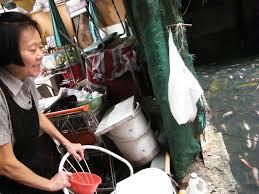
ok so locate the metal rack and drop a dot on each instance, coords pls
(78, 125)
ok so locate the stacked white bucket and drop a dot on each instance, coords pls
(132, 135)
(135, 139)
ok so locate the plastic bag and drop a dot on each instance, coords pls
(183, 89)
(80, 95)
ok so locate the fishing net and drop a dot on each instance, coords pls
(148, 20)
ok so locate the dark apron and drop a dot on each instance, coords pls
(37, 153)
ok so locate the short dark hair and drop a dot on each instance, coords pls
(11, 26)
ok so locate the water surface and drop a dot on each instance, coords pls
(232, 92)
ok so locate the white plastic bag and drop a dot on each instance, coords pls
(183, 89)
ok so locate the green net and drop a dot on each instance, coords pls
(148, 20)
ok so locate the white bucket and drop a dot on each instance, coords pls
(135, 139)
(149, 180)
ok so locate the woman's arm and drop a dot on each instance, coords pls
(17, 171)
(75, 149)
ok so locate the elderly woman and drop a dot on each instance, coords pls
(23, 169)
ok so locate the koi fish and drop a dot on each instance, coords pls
(246, 126)
(245, 162)
(254, 171)
(227, 114)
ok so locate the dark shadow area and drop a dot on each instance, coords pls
(222, 29)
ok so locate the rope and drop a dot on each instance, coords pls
(187, 7)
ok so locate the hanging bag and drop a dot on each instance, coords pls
(183, 89)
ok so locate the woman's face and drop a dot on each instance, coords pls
(31, 53)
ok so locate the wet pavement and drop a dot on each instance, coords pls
(232, 92)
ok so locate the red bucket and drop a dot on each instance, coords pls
(84, 182)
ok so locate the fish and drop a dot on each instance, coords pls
(227, 114)
(223, 126)
(248, 141)
(246, 126)
(245, 162)
(254, 170)
(248, 84)
(255, 141)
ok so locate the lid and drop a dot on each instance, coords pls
(116, 115)
(194, 175)
(182, 191)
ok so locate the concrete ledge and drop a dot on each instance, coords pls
(214, 168)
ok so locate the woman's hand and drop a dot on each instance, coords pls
(75, 149)
(60, 181)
